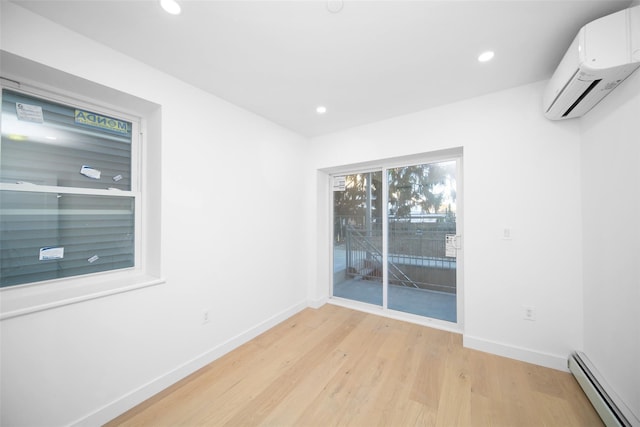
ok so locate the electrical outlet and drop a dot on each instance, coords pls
(529, 313)
(506, 233)
(205, 316)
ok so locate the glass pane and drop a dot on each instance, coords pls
(47, 235)
(46, 143)
(357, 232)
(422, 212)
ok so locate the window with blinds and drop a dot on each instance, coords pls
(68, 191)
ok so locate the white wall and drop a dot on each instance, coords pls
(520, 171)
(231, 226)
(611, 233)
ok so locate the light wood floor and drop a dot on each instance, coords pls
(335, 366)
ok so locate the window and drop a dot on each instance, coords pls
(69, 194)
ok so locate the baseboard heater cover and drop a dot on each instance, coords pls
(604, 401)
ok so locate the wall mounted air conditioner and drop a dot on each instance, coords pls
(603, 54)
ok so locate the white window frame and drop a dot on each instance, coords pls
(28, 298)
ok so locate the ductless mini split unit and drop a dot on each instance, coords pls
(603, 54)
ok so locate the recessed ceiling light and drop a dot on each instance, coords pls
(486, 56)
(171, 6)
(321, 109)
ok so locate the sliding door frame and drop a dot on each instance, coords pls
(384, 166)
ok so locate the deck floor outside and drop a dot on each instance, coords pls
(422, 302)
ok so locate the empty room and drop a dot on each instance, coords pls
(320, 212)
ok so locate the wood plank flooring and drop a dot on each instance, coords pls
(339, 367)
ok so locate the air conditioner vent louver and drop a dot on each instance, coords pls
(581, 97)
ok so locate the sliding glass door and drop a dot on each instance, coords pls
(421, 215)
(396, 238)
(357, 237)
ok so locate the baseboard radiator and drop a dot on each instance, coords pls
(606, 402)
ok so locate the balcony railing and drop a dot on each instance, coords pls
(416, 255)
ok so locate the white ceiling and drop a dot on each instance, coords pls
(371, 61)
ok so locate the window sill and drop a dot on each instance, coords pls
(22, 300)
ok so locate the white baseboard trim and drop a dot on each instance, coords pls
(317, 303)
(518, 353)
(137, 396)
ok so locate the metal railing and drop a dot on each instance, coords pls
(364, 258)
(412, 254)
